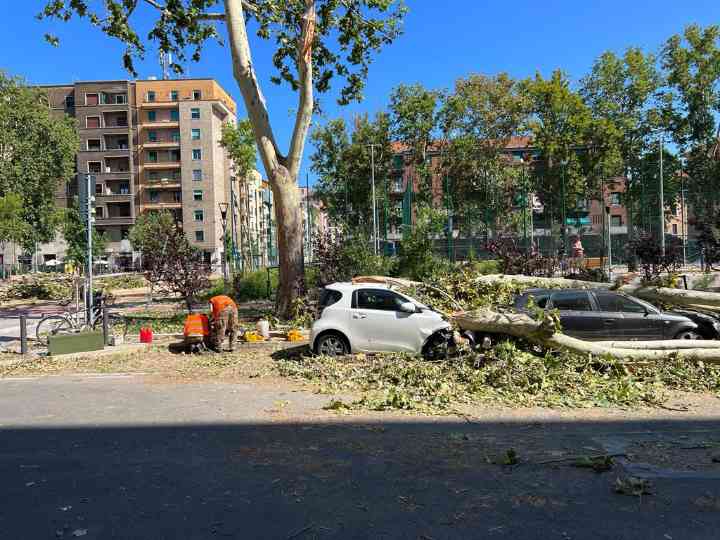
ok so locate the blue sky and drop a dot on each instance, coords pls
(442, 41)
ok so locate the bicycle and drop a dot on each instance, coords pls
(75, 321)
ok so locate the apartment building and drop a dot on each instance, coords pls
(152, 145)
(254, 230)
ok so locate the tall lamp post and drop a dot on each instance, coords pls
(375, 220)
(662, 200)
(223, 216)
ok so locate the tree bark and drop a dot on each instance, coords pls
(522, 326)
(281, 171)
(289, 243)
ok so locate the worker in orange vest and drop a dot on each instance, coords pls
(224, 321)
(196, 332)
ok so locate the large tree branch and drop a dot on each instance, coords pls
(305, 98)
(250, 87)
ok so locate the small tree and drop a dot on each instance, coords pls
(74, 230)
(13, 227)
(168, 259)
(653, 261)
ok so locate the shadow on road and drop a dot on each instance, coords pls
(401, 479)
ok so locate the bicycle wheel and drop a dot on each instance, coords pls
(52, 325)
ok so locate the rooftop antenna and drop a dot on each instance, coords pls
(165, 63)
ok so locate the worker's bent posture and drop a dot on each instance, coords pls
(196, 332)
(224, 320)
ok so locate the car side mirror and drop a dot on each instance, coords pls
(408, 307)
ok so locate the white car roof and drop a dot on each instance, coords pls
(348, 286)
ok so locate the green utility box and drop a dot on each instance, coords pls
(75, 343)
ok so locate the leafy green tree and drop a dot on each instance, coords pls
(620, 92)
(74, 230)
(315, 41)
(691, 61)
(478, 120)
(343, 163)
(37, 155)
(239, 141)
(13, 227)
(559, 122)
(414, 123)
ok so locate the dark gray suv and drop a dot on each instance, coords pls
(605, 315)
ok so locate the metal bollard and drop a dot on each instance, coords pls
(684, 277)
(23, 335)
(105, 320)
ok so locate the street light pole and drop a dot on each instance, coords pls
(372, 173)
(223, 217)
(662, 201)
(683, 217)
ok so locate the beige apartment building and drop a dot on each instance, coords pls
(152, 145)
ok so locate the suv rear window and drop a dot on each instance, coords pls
(328, 297)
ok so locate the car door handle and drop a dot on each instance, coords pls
(359, 316)
(609, 321)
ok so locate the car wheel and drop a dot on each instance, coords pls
(688, 334)
(332, 345)
(437, 347)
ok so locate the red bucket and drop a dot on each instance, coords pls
(146, 335)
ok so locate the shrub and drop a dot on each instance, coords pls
(417, 259)
(515, 259)
(648, 250)
(253, 286)
(340, 257)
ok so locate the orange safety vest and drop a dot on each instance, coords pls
(219, 303)
(196, 324)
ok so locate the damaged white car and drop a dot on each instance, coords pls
(372, 318)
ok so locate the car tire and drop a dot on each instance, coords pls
(688, 334)
(437, 347)
(332, 344)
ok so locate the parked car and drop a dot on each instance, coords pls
(600, 315)
(372, 318)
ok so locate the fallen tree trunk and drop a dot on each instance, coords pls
(665, 345)
(521, 325)
(551, 283)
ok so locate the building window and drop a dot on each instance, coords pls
(120, 99)
(124, 188)
(197, 194)
(92, 122)
(125, 234)
(151, 96)
(69, 102)
(196, 154)
(177, 196)
(195, 114)
(174, 115)
(615, 199)
(152, 136)
(99, 212)
(674, 229)
(176, 136)
(152, 116)
(195, 134)
(98, 189)
(199, 236)
(174, 155)
(197, 95)
(616, 221)
(197, 175)
(94, 167)
(93, 145)
(173, 95)
(154, 196)
(152, 176)
(91, 99)
(199, 215)
(152, 156)
(597, 220)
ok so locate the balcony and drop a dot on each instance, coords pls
(156, 165)
(159, 124)
(159, 104)
(162, 205)
(115, 220)
(165, 183)
(161, 144)
(618, 229)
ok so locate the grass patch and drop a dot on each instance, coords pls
(511, 377)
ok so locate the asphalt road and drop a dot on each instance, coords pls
(120, 457)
